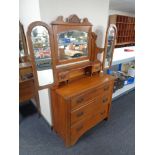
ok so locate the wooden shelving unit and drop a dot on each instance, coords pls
(125, 29)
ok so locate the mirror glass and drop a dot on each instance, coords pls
(23, 52)
(110, 47)
(72, 44)
(42, 54)
(21, 46)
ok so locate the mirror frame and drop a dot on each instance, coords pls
(106, 45)
(30, 45)
(73, 22)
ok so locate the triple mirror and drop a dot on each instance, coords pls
(109, 46)
(39, 38)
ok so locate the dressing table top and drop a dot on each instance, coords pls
(83, 84)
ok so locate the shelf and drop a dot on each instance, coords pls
(125, 27)
(123, 57)
(123, 90)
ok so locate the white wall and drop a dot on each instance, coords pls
(29, 11)
(95, 10)
(112, 12)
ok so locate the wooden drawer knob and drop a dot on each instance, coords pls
(102, 113)
(105, 99)
(106, 88)
(79, 128)
(79, 100)
(79, 114)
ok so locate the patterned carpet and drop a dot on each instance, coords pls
(113, 137)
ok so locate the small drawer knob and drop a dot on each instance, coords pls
(79, 114)
(80, 100)
(102, 113)
(105, 99)
(106, 88)
(79, 128)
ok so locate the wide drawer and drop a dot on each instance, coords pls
(81, 127)
(80, 100)
(90, 108)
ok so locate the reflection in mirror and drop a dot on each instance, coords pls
(72, 44)
(110, 46)
(42, 55)
(21, 47)
(23, 52)
(41, 47)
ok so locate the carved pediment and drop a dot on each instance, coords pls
(72, 19)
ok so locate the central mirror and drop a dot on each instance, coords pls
(72, 40)
(72, 44)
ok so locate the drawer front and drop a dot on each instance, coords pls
(89, 109)
(81, 100)
(81, 127)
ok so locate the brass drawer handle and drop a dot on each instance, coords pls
(106, 88)
(79, 128)
(80, 100)
(105, 99)
(79, 114)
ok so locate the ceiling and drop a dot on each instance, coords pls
(123, 5)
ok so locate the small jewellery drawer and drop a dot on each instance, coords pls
(63, 76)
(81, 100)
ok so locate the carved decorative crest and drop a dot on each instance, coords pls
(72, 19)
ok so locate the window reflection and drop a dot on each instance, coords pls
(72, 44)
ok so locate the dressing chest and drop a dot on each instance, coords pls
(82, 93)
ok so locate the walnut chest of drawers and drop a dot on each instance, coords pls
(80, 105)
